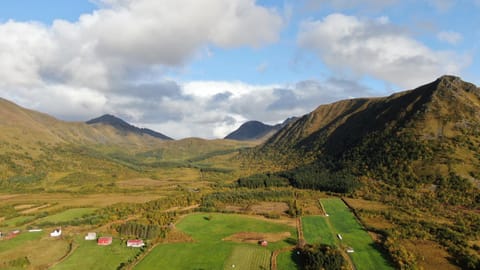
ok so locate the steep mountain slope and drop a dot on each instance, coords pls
(256, 130)
(123, 126)
(433, 129)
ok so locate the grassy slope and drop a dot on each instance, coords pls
(209, 251)
(343, 222)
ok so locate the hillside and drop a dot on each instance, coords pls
(125, 127)
(26, 127)
(409, 161)
(433, 129)
(256, 130)
(36, 149)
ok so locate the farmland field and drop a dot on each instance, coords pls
(88, 255)
(247, 257)
(344, 223)
(208, 249)
(25, 248)
(16, 221)
(317, 231)
(286, 261)
(67, 215)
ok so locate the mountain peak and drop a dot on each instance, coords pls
(111, 120)
(454, 83)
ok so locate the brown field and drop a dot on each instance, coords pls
(430, 255)
(145, 182)
(24, 206)
(254, 237)
(311, 206)
(366, 205)
(176, 236)
(377, 222)
(60, 200)
(269, 207)
(34, 209)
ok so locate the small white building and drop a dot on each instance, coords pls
(350, 250)
(56, 233)
(91, 236)
(339, 237)
(35, 230)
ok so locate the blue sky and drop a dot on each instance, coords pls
(202, 68)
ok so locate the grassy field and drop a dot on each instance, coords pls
(343, 222)
(246, 257)
(18, 241)
(316, 230)
(208, 249)
(286, 261)
(16, 221)
(88, 255)
(39, 250)
(67, 215)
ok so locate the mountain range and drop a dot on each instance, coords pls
(431, 130)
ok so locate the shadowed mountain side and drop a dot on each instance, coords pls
(433, 129)
(256, 130)
(123, 126)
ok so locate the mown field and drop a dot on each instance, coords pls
(209, 250)
(316, 230)
(343, 222)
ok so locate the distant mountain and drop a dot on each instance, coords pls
(123, 126)
(421, 134)
(255, 130)
(28, 128)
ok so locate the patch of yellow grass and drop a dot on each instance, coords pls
(430, 254)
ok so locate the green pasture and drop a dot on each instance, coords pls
(67, 215)
(88, 255)
(246, 257)
(19, 240)
(317, 231)
(16, 221)
(286, 261)
(343, 222)
(209, 251)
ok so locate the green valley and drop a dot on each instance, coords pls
(398, 177)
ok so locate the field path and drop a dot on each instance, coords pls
(300, 244)
(273, 262)
(345, 254)
(301, 239)
(71, 248)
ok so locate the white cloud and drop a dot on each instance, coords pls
(450, 37)
(376, 48)
(99, 63)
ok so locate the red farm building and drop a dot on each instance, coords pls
(104, 241)
(135, 243)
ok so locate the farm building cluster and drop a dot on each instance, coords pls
(15, 233)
